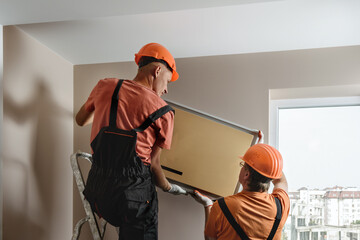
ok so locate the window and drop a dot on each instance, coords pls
(314, 236)
(304, 235)
(301, 222)
(320, 139)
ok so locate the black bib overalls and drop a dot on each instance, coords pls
(119, 187)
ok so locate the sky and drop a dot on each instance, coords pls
(320, 146)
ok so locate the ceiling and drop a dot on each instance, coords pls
(14, 12)
(92, 31)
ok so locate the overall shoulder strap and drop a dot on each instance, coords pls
(231, 219)
(114, 104)
(153, 117)
(237, 227)
(277, 219)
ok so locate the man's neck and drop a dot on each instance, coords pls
(143, 80)
(247, 189)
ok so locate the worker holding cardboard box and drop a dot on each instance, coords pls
(253, 213)
(130, 126)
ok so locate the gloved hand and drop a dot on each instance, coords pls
(204, 200)
(176, 190)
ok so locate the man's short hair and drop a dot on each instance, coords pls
(257, 182)
(145, 60)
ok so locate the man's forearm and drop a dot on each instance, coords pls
(207, 213)
(281, 183)
(159, 177)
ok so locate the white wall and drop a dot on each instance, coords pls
(38, 108)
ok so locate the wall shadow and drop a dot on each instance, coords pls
(18, 201)
(39, 168)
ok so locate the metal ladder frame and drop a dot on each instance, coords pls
(97, 231)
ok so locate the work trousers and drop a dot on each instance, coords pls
(143, 223)
(131, 205)
(129, 232)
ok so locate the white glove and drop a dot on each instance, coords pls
(204, 200)
(176, 190)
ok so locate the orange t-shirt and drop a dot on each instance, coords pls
(136, 103)
(255, 212)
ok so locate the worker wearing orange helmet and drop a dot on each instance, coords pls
(131, 124)
(252, 213)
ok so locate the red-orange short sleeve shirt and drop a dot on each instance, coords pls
(136, 103)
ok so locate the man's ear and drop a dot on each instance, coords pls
(246, 174)
(157, 71)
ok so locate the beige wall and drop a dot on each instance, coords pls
(38, 134)
(1, 118)
(235, 88)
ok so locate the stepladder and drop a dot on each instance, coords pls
(97, 226)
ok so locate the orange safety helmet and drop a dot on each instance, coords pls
(265, 159)
(158, 51)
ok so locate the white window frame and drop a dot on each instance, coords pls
(276, 105)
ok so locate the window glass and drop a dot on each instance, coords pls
(321, 151)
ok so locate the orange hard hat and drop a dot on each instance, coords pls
(158, 51)
(265, 159)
